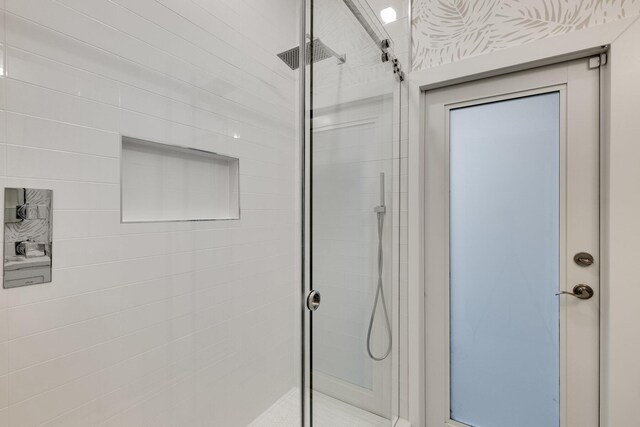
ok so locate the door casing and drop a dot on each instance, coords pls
(578, 85)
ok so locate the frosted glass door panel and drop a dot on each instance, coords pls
(504, 261)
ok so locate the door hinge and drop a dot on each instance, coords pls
(598, 61)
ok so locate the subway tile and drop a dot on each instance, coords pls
(4, 391)
(40, 40)
(49, 345)
(56, 165)
(3, 121)
(37, 101)
(39, 317)
(148, 52)
(44, 72)
(74, 195)
(142, 319)
(36, 132)
(3, 158)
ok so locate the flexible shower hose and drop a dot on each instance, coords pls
(379, 295)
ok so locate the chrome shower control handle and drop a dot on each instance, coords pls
(579, 291)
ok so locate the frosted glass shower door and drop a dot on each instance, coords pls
(515, 162)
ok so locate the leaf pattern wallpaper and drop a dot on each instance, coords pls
(445, 31)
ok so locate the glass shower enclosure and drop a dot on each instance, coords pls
(149, 162)
(352, 199)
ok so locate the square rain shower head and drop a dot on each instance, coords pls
(315, 50)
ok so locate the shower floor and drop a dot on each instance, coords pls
(328, 412)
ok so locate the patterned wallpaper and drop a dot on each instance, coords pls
(445, 31)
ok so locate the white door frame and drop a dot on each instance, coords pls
(617, 37)
(577, 86)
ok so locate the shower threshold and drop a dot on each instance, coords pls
(328, 412)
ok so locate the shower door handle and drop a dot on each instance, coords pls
(313, 300)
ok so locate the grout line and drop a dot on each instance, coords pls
(279, 300)
(119, 110)
(126, 59)
(229, 265)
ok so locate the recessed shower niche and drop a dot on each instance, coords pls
(161, 182)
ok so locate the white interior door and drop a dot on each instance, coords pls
(512, 196)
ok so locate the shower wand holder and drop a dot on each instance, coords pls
(380, 209)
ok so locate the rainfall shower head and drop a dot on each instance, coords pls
(315, 50)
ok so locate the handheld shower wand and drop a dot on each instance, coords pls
(380, 211)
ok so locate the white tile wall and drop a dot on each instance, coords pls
(164, 324)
